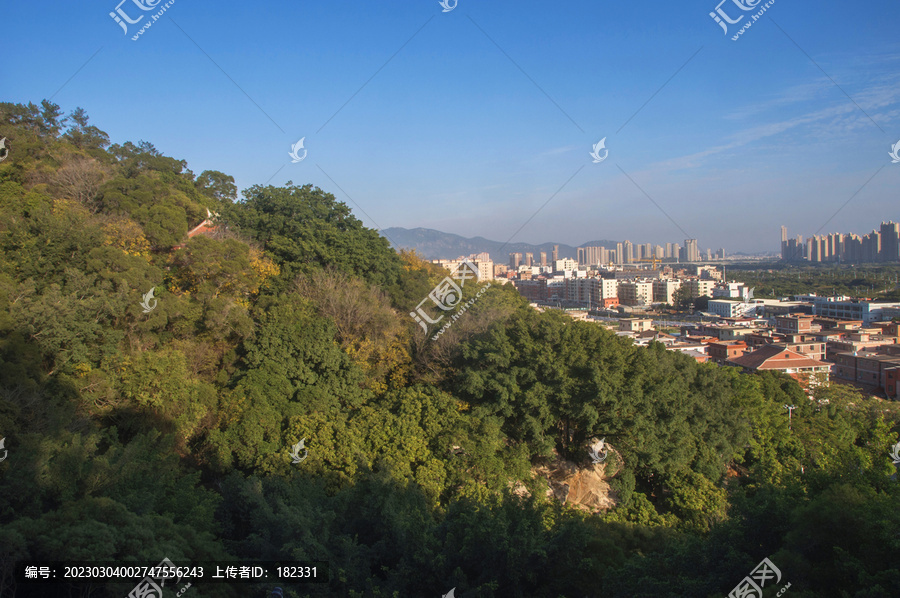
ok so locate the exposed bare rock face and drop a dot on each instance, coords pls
(586, 487)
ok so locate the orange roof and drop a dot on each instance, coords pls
(772, 357)
(204, 227)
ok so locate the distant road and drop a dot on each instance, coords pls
(666, 323)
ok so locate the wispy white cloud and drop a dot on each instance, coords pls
(840, 118)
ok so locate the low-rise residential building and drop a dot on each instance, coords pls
(830, 324)
(697, 355)
(722, 351)
(645, 338)
(892, 382)
(635, 324)
(813, 349)
(719, 331)
(694, 349)
(867, 368)
(795, 324)
(755, 340)
(772, 357)
(857, 341)
(887, 328)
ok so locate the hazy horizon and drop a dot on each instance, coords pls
(480, 121)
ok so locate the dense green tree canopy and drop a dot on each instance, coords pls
(155, 391)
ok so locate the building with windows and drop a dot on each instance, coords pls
(727, 308)
(533, 290)
(609, 291)
(890, 242)
(635, 324)
(795, 324)
(691, 250)
(564, 264)
(722, 351)
(635, 292)
(628, 255)
(664, 289)
(732, 290)
(871, 369)
(485, 267)
(854, 309)
(796, 365)
(699, 288)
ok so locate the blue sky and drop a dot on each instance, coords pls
(457, 132)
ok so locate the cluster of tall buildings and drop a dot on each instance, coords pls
(878, 246)
(527, 259)
(625, 252)
(612, 286)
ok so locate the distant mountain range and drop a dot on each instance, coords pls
(434, 244)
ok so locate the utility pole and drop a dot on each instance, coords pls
(790, 409)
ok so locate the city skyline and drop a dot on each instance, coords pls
(880, 245)
(458, 121)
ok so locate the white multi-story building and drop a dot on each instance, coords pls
(565, 264)
(592, 256)
(732, 290)
(730, 309)
(855, 310)
(635, 292)
(664, 289)
(699, 288)
(485, 267)
(609, 289)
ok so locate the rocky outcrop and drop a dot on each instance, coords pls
(586, 487)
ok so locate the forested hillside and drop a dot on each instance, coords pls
(141, 427)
